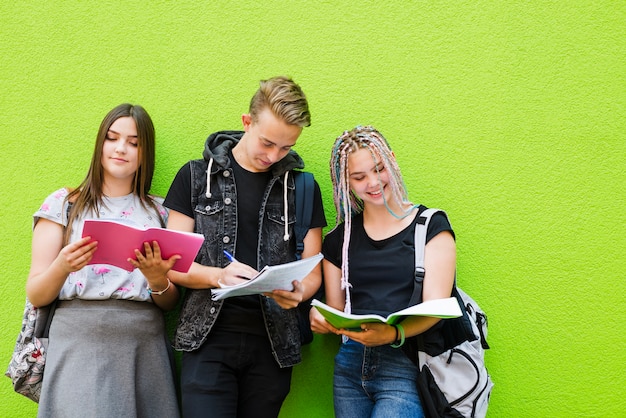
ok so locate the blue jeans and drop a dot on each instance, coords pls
(375, 382)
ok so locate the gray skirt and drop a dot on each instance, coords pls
(108, 359)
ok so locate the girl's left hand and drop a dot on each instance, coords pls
(372, 334)
(152, 265)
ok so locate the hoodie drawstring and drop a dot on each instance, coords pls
(208, 179)
(285, 202)
(286, 216)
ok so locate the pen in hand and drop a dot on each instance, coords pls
(230, 257)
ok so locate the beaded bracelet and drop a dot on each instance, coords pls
(160, 292)
(396, 344)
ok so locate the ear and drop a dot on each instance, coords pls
(246, 120)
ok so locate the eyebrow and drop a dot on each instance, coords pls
(376, 167)
(274, 143)
(117, 133)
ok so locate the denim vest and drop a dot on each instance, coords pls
(216, 218)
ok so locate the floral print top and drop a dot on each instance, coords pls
(100, 281)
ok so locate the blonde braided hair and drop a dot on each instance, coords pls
(347, 204)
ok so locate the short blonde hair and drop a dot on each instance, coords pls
(284, 98)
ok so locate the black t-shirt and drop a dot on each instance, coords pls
(381, 272)
(179, 197)
(242, 313)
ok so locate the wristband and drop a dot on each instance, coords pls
(160, 292)
(399, 344)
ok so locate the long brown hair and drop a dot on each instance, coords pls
(88, 195)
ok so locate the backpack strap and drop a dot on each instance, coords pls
(305, 194)
(454, 331)
(304, 184)
(421, 229)
(43, 333)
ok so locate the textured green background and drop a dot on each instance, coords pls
(509, 115)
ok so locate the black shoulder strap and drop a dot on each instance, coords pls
(453, 331)
(304, 207)
(305, 189)
(43, 333)
(421, 229)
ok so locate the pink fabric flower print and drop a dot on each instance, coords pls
(122, 290)
(101, 270)
(128, 213)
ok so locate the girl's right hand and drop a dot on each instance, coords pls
(76, 255)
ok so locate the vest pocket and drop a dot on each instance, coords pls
(209, 208)
(276, 214)
(209, 220)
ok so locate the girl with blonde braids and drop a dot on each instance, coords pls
(369, 268)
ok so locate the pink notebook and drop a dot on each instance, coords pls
(117, 243)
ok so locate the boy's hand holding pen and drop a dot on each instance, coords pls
(235, 272)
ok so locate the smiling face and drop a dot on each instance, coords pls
(368, 177)
(265, 141)
(120, 151)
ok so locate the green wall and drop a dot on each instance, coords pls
(509, 115)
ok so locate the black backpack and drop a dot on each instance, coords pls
(305, 189)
